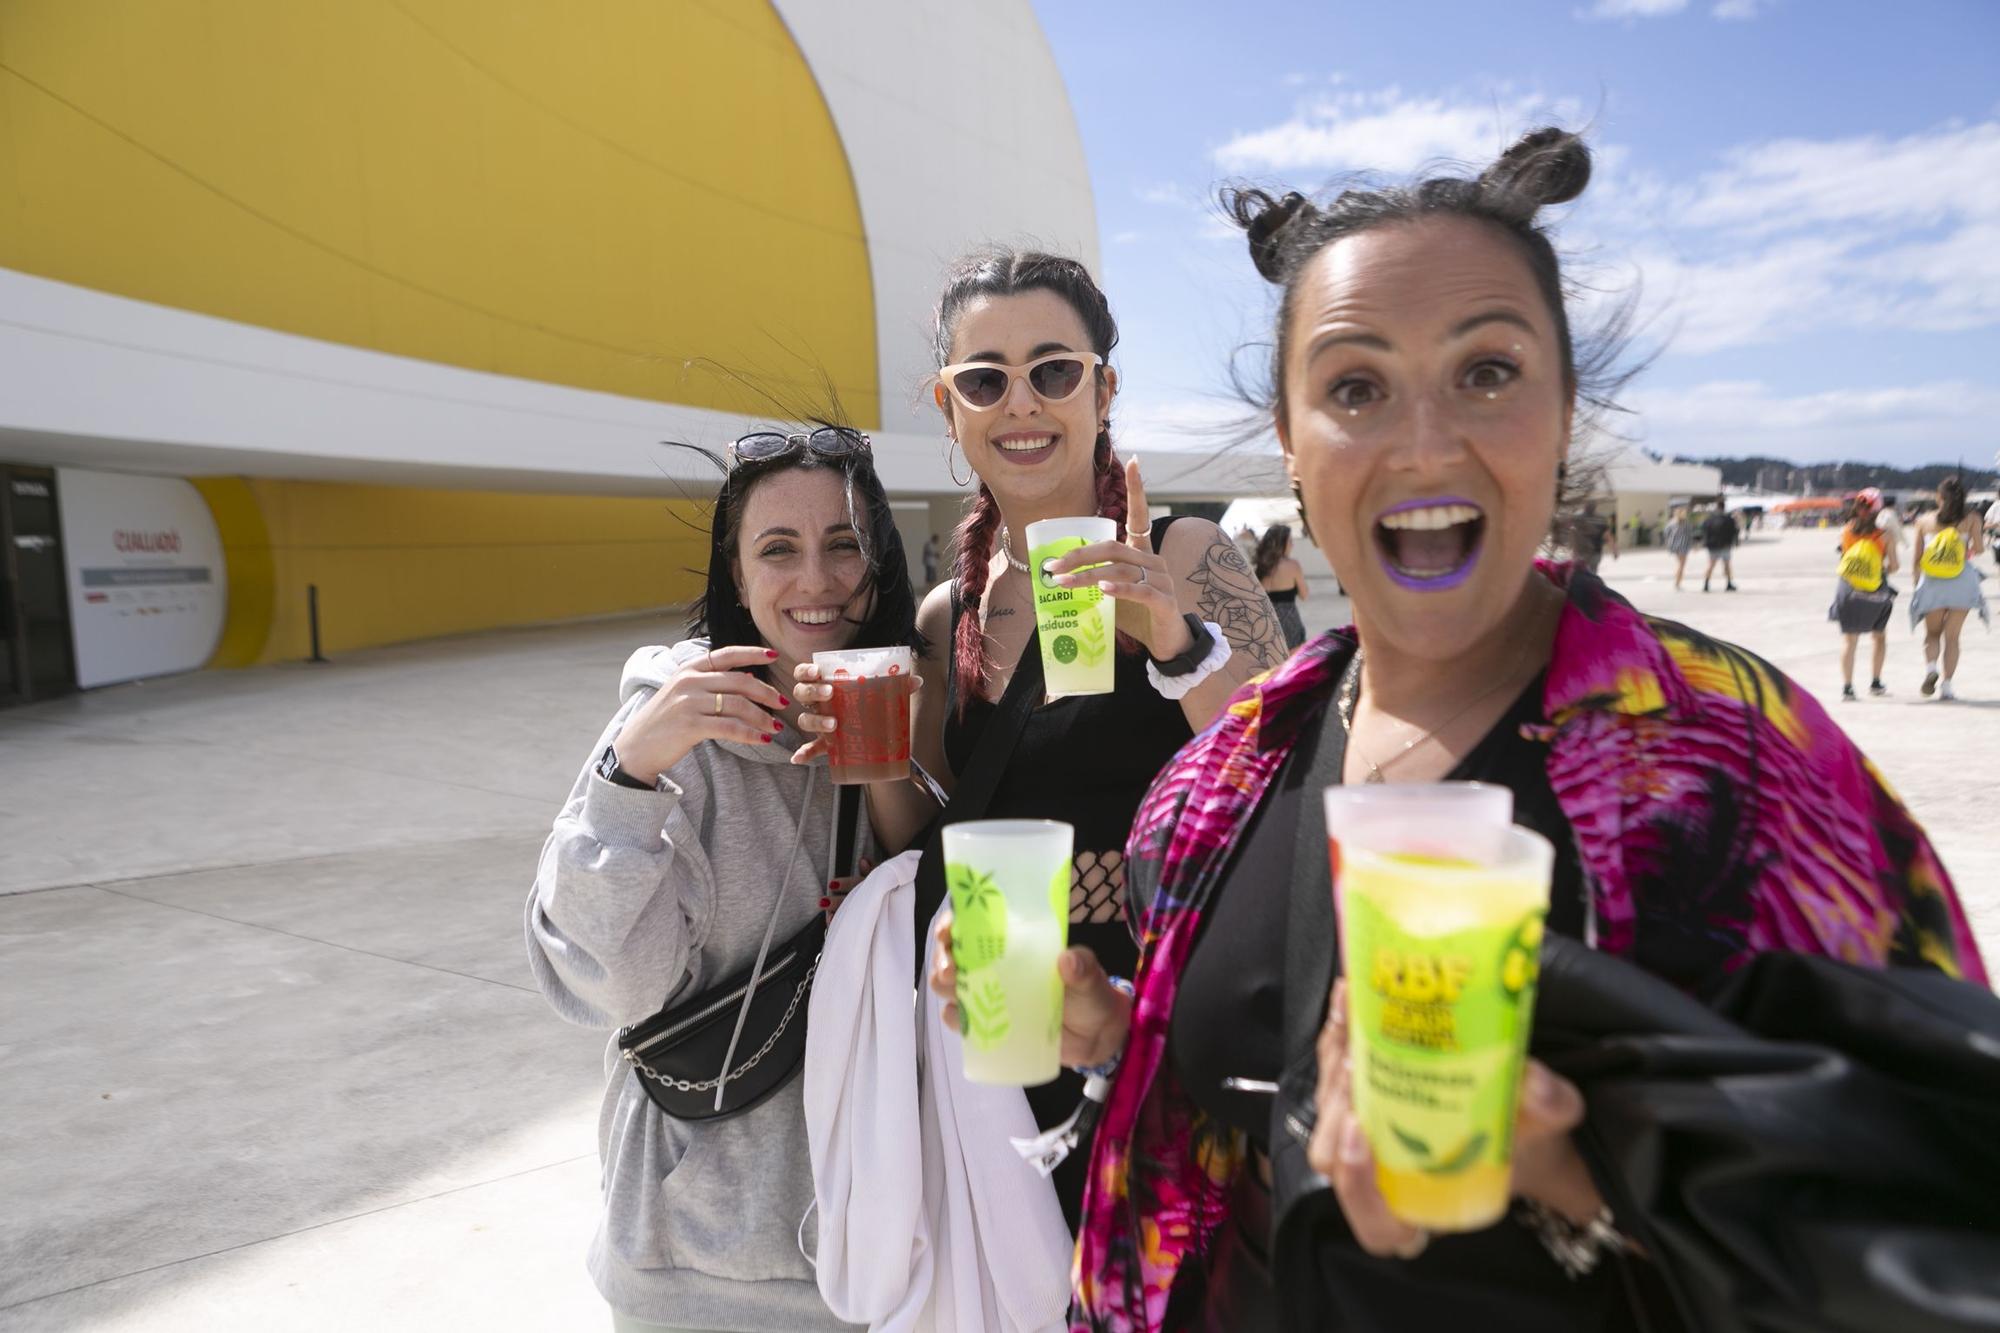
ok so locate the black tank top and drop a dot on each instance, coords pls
(1282, 596)
(1086, 760)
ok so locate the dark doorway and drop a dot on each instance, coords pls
(36, 660)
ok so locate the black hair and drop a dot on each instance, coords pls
(1545, 167)
(1271, 548)
(720, 614)
(1951, 502)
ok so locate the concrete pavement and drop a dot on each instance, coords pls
(269, 1054)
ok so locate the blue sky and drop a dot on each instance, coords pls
(1806, 192)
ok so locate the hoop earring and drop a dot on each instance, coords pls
(1305, 527)
(951, 463)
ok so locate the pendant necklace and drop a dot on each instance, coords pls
(1350, 692)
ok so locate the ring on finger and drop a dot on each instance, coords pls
(717, 710)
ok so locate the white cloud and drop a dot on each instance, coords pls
(1632, 9)
(1387, 131)
(1916, 180)
(1738, 9)
(1800, 236)
(1935, 422)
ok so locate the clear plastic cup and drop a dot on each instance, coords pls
(1078, 627)
(1442, 908)
(1009, 881)
(871, 707)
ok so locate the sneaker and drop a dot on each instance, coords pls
(1944, 689)
(1877, 688)
(1930, 682)
(1847, 694)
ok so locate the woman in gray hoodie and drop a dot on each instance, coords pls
(670, 858)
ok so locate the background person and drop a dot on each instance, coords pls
(1283, 581)
(1719, 534)
(670, 858)
(1424, 367)
(1946, 539)
(1680, 540)
(1591, 534)
(1862, 595)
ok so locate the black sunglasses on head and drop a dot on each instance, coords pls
(825, 442)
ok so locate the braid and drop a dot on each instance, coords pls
(1110, 481)
(974, 540)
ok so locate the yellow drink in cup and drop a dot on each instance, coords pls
(1078, 627)
(1441, 931)
(1009, 882)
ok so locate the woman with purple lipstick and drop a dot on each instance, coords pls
(1428, 392)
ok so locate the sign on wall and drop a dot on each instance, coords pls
(147, 583)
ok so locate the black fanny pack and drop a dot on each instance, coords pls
(679, 1053)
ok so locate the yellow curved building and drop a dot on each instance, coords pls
(398, 297)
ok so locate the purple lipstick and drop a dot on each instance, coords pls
(1430, 544)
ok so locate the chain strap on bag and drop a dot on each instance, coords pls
(682, 1054)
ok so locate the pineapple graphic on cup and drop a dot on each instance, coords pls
(1009, 883)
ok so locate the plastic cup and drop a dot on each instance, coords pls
(871, 705)
(1009, 881)
(1078, 627)
(1441, 944)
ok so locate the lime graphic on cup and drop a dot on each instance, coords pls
(1441, 903)
(1009, 882)
(1076, 625)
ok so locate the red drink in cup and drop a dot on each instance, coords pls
(871, 707)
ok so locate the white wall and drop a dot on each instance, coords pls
(958, 133)
(147, 585)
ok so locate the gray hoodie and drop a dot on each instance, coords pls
(640, 894)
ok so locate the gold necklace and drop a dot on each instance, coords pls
(1350, 697)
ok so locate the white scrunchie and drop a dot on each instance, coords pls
(1174, 687)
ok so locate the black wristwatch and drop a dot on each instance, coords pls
(607, 768)
(1194, 655)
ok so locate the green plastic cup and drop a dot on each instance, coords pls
(1078, 627)
(1009, 881)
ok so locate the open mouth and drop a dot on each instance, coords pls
(1025, 447)
(1431, 544)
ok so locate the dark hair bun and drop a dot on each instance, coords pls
(1264, 220)
(1547, 166)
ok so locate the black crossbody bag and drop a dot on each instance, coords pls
(679, 1053)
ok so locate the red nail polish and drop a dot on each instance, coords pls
(825, 903)
(769, 739)
(771, 653)
(783, 702)
(834, 884)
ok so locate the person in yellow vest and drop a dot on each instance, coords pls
(1946, 539)
(1862, 597)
